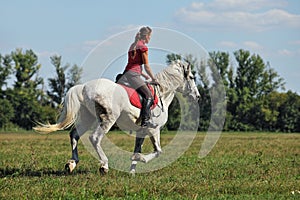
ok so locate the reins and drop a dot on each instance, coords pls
(159, 95)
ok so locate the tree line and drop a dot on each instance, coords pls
(253, 97)
(23, 99)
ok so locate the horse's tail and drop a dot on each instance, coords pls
(69, 113)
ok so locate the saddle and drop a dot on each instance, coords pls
(134, 97)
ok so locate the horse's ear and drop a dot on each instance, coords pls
(186, 64)
(189, 66)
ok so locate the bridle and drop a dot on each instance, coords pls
(186, 73)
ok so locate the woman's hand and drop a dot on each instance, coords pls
(154, 82)
(145, 76)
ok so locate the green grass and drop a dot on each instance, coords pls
(241, 166)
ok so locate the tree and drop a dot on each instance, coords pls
(249, 90)
(254, 80)
(172, 57)
(62, 82)
(5, 70)
(74, 76)
(174, 114)
(57, 84)
(219, 65)
(222, 74)
(26, 69)
(26, 92)
(270, 81)
(289, 113)
(6, 113)
(6, 109)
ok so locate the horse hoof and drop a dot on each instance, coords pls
(103, 171)
(132, 172)
(70, 166)
(138, 157)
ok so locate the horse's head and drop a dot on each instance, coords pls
(189, 87)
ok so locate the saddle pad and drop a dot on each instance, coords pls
(135, 98)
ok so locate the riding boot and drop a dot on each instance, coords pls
(146, 113)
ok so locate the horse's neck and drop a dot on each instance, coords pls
(169, 82)
(167, 98)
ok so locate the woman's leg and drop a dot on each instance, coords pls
(146, 106)
(139, 85)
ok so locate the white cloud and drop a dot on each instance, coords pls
(246, 5)
(249, 45)
(91, 42)
(228, 44)
(46, 54)
(197, 5)
(252, 45)
(89, 45)
(285, 52)
(233, 14)
(118, 29)
(113, 31)
(295, 42)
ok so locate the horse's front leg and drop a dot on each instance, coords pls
(71, 164)
(139, 140)
(155, 139)
(137, 156)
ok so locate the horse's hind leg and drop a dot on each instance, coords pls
(106, 114)
(86, 120)
(96, 139)
(71, 164)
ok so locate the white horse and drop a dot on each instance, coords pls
(108, 103)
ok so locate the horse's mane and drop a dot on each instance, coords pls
(171, 77)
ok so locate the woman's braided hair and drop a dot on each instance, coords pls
(143, 32)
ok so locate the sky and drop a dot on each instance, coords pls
(75, 28)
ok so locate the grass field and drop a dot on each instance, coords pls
(241, 166)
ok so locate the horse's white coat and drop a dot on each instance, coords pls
(108, 102)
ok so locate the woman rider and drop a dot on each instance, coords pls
(138, 56)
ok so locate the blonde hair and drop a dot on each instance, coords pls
(143, 32)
